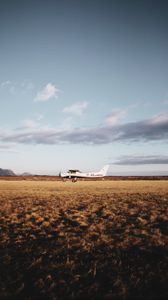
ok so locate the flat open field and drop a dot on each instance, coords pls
(84, 240)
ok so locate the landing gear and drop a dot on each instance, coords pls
(74, 179)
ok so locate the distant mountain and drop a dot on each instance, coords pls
(26, 174)
(6, 172)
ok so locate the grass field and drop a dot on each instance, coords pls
(84, 240)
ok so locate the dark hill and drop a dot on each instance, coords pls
(6, 172)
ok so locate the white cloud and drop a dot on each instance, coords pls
(31, 123)
(17, 87)
(27, 124)
(115, 116)
(161, 118)
(9, 86)
(48, 92)
(76, 108)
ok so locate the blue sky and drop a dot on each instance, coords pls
(82, 84)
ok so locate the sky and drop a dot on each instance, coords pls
(84, 83)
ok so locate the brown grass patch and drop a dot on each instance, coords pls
(88, 240)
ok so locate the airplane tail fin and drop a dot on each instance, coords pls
(104, 170)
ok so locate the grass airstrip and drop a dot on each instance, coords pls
(86, 240)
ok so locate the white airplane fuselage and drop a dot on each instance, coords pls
(78, 174)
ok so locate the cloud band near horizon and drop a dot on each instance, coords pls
(153, 129)
(142, 160)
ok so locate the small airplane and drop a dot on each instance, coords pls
(74, 174)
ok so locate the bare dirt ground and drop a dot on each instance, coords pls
(84, 240)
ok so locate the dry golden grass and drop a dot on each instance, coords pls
(84, 240)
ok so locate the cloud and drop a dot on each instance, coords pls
(27, 85)
(5, 84)
(31, 123)
(142, 160)
(17, 87)
(7, 148)
(148, 130)
(76, 108)
(9, 86)
(158, 119)
(48, 92)
(27, 124)
(115, 116)
(4, 147)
